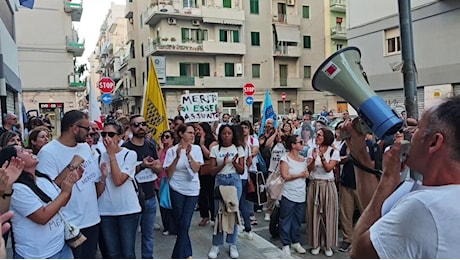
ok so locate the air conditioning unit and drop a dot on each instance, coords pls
(239, 68)
(172, 20)
(290, 2)
(196, 22)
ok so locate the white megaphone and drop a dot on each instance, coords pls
(342, 75)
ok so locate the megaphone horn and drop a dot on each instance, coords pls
(342, 74)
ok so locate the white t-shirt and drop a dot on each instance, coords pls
(33, 240)
(184, 180)
(220, 155)
(278, 151)
(295, 190)
(120, 200)
(423, 224)
(319, 172)
(248, 152)
(81, 210)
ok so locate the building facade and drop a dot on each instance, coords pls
(435, 36)
(48, 45)
(10, 81)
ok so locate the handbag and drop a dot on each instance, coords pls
(140, 194)
(275, 183)
(259, 193)
(165, 199)
(72, 235)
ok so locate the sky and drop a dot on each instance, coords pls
(94, 13)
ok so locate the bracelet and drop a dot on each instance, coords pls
(5, 195)
(376, 172)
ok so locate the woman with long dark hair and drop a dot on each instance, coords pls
(206, 139)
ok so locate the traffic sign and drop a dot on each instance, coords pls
(106, 98)
(249, 100)
(106, 85)
(249, 89)
(283, 96)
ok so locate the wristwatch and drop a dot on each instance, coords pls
(71, 167)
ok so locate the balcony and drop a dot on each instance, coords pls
(155, 13)
(74, 46)
(288, 83)
(205, 82)
(291, 19)
(74, 8)
(180, 81)
(287, 51)
(75, 84)
(219, 15)
(338, 6)
(204, 47)
(338, 33)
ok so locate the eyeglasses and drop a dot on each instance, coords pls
(87, 128)
(319, 134)
(299, 142)
(166, 137)
(139, 124)
(110, 134)
(401, 131)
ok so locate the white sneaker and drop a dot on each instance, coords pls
(234, 252)
(156, 226)
(286, 251)
(298, 248)
(267, 217)
(315, 251)
(328, 252)
(213, 252)
(246, 235)
(165, 233)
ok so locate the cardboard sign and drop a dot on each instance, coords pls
(146, 175)
(200, 107)
(91, 174)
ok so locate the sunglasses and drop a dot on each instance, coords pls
(401, 131)
(166, 137)
(299, 142)
(110, 134)
(139, 124)
(87, 128)
(319, 134)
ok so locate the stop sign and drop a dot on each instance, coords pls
(283, 96)
(106, 85)
(249, 89)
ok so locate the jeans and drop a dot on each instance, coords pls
(119, 233)
(148, 215)
(291, 214)
(167, 217)
(245, 206)
(65, 253)
(227, 180)
(183, 208)
(88, 249)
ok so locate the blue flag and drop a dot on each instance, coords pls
(27, 3)
(268, 112)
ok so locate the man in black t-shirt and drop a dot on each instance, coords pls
(146, 173)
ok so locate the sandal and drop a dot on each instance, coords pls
(203, 222)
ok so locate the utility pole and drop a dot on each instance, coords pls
(407, 53)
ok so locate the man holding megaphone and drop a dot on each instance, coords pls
(424, 222)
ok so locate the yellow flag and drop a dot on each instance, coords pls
(154, 109)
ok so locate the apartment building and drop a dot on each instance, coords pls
(435, 31)
(336, 23)
(220, 45)
(10, 82)
(47, 46)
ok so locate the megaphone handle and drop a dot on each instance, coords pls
(376, 172)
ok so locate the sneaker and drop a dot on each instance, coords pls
(212, 223)
(267, 217)
(213, 252)
(298, 248)
(246, 235)
(286, 251)
(344, 246)
(259, 211)
(328, 252)
(315, 251)
(166, 233)
(234, 252)
(156, 226)
(253, 220)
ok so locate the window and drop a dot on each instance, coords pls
(307, 42)
(194, 70)
(141, 21)
(307, 72)
(229, 70)
(229, 36)
(227, 3)
(392, 41)
(130, 1)
(194, 35)
(306, 11)
(190, 4)
(254, 6)
(255, 71)
(339, 46)
(255, 38)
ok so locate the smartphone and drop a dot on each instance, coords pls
(405, 147)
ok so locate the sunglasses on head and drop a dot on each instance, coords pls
(139, 124)
(110, 134)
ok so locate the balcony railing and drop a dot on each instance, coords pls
(287, 51)
(74, 8)
(74, 46)
(180, 81)
(75, 84)
(338, 33)
(204, 47)
(338, 6)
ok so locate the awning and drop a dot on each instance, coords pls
(117, 86)
(222, 21)
(287, 33)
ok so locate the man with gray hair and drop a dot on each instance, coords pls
(10, 121)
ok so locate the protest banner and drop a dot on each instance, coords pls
(199, 107)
